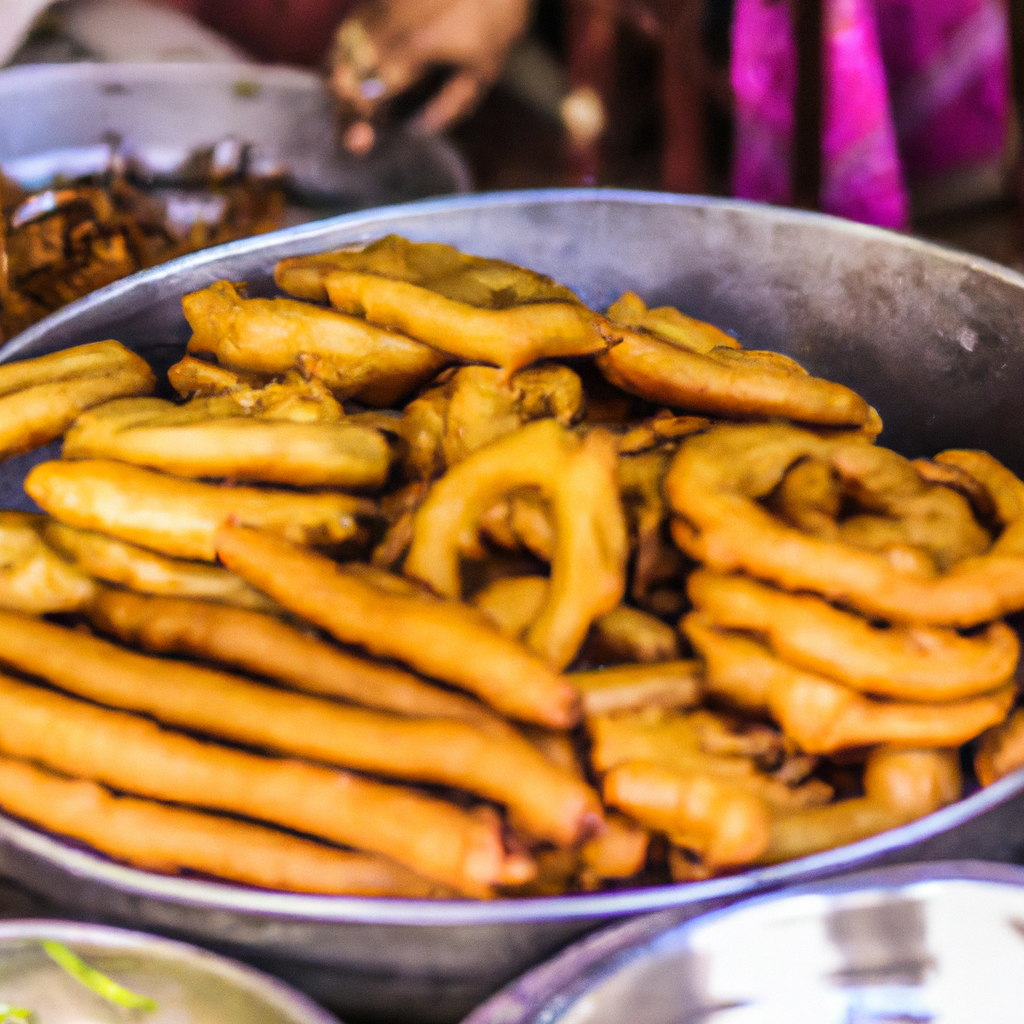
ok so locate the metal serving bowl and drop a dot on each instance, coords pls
(189, 985)
(920, 943)
(933, 339)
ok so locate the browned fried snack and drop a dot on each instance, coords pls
(179, 517)
(920, 663)
(665, 684)
(443, 639)
(457, 848)
(513, 602)
(160, 837)
(40, 397)
(212, 437)
(192, 378)
(933, 575)
(268, 336)
(629, 635)
(497, 764)
(900, 785)
(823, 716)
(578, 478)
(619, 852)
(1001, 749)
(668, 323)
(265, 646)
(34, 579)
(664, 426)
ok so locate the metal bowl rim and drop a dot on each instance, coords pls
(377, 910)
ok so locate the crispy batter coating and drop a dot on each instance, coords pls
(513, 603)
(619, 852)
(34, 579)
(718, 477)
(443, 639)
(268, 336)
(669, 324)
(212, 437)
(823, 716)
(159, 837)
(629, 635)
(1001, 749)
(449, 845)
(180, 517)
(578, 478)
(665, 684)
(921, 663)
(40, 397)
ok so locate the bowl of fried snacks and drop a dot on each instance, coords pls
(391, 600)
(60, 972)
(931, 942)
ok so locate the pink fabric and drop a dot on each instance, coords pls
(911, 88)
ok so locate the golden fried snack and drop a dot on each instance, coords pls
(900, 785)
(823, 716)
(718, 477)
(40, 397)
(619, 852)
(1000, 749)
(628, 634)
(664, 426)
(578, 478)
(665, 684)
(443, 639)
(496, 764)
(726, 381)
(723, 823)
(268, 336)
(192, 378)
(179, 517)
(34, 579)
(265, 646)
(513, 603)
(158, 837)
(919, 663)
(674, 740)
(436, 839)
(668, 323)
(211, 437)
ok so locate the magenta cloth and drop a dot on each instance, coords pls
(912, 88)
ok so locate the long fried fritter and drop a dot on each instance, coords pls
(665, 684)
(629, 635)
(354, 358)
(159, 837)
(443, 639)
(436, 839)
(668, 323)
(1001, 749)
(40, 397)
(212, 437)
(179, 517)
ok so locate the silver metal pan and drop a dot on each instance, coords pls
(933, 339)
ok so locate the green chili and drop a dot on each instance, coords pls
(95, 980)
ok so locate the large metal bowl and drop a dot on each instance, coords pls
(934, 340)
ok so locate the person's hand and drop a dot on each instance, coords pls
(387, 46)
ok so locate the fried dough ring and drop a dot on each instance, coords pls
(823, 716)
(440, 841)
(159, 837)
(272, 336)
(578, 478)
(180, 517)
(717, 477)
(443, 639)
(39, 398)
(917, 663)
(1000, 750)
(213, 437)
(265, 646)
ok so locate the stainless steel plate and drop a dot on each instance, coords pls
(934, 339)
(929, 944)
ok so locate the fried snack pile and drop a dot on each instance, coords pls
(61, 243)
(435, 583)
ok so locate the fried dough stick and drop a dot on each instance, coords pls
(211, 437)
(900, 786)
(40, 397)
(442, 639)
(588, 569)
(904, 662)
(116, 561)
(179, 517)
(158, 837)
(667, 322)
(265, 646)
(501, 766)
(33, 578)
(271, 336)
(665, 684)
(436, 839)
(1001, 749)
(823, 716)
